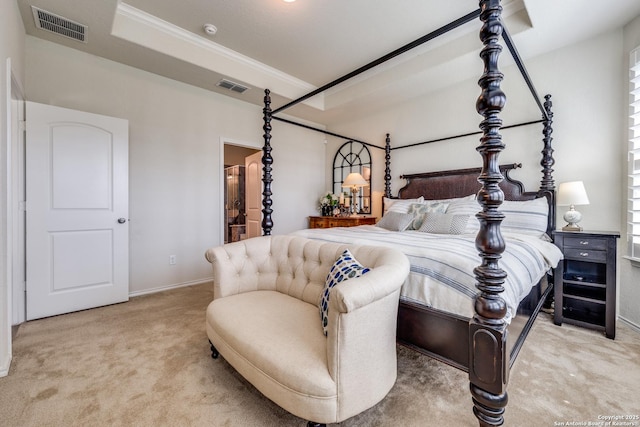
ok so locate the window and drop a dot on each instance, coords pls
(633, 200)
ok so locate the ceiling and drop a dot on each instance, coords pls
(294, 48)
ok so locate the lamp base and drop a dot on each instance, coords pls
(572, 217)
(572, 227)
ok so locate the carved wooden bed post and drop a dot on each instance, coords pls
(487, 329)
(547, 183)
(387, 167)
(267, 161)
(547, 161)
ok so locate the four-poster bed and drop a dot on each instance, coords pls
(478, 343)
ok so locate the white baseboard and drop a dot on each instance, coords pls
(5, 365)
(168, 287)
(629, 323)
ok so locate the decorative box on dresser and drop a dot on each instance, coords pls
(340, 221)
(585, 281)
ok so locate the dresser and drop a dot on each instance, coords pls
(340, 221)
(585, 281)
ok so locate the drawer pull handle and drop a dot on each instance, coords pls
(584, 254)
(584, 242)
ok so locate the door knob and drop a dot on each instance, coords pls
(121, 220)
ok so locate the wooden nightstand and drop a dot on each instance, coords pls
(340, 221)
(585, 281)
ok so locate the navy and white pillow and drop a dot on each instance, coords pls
(346, 267)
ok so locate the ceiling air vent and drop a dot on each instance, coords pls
(57, 24)
(233, 86)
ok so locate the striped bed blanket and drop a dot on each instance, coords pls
(442, 265)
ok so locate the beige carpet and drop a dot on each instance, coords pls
(147, 363)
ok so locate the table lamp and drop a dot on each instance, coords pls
(572, 194)
(354, 181)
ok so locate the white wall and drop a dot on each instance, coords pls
(588, 137)
(629, 274)
(11, 46)
(175, 170)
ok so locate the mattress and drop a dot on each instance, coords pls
(441, 274)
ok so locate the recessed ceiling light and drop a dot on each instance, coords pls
(210, 29)
(289, 1)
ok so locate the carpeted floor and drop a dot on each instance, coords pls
(147, 363)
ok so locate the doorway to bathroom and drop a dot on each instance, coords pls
(241, 167)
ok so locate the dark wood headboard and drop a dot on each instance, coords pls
(463, 182)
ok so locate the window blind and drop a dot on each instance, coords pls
(633, 201)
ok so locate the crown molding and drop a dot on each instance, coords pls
(141, 28)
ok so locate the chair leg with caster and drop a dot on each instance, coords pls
(214, 351)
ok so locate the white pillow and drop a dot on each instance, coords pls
(399, 205)
(455, 199)
(527, 217)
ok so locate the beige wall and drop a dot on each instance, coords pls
(175, 132)
(11, 47)
(588, 138)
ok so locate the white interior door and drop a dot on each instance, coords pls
(253, 193)
(77, 210)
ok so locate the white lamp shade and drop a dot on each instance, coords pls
(354, 179)
(572, 193)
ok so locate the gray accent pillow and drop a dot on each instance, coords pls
(395, 221)
(442, 223)
(469, 208)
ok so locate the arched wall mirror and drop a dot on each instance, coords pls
(353, 157)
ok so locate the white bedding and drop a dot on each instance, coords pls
(442, 265)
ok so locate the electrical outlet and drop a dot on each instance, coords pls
(172, 259)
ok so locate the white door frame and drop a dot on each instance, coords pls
(18, 279)
(223, 180)
(11, 297)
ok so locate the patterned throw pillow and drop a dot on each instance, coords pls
(345, 267)
(442, 223)
(469, 208)
(527, 217)
(420, 210)
(395, 221)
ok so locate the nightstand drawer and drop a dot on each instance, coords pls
(585, 243)
(584, 311)
(585, 255)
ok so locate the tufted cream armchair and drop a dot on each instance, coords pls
(265, 321)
